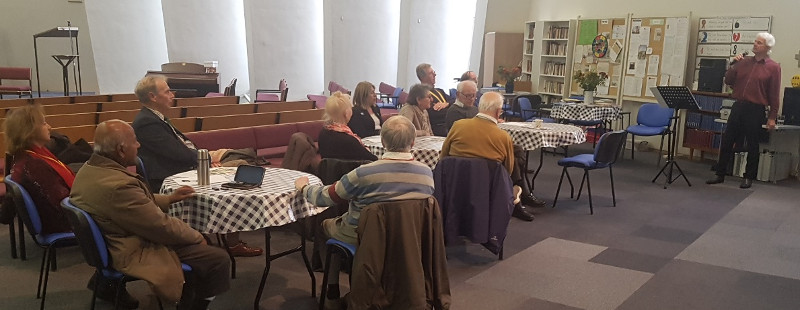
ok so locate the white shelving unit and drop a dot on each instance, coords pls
(528, 49)
(555, 41)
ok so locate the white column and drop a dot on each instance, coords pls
(285, 40)
(206, 30)
(127, 40)
(361, 41)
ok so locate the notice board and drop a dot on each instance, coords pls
(601, 47)
(657, 52)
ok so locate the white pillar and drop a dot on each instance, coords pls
(285, 40)
(206, 30)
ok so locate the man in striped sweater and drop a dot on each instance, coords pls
(396, 176)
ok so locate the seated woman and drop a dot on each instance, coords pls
(415, 109)
(47, 180)
(336, 140)
(366, 120)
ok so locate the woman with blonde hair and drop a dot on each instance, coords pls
(416, 109)
(337, 140)
(366, 120)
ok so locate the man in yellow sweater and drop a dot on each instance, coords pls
(480, 137)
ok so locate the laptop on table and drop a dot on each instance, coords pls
(247, 177)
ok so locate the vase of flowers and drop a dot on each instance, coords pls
(589, 80)
(509, 74)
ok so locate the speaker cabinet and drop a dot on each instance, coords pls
(712, 71)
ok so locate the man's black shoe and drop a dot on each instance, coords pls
(106, 291)
(716, 180)
(746, 183)
(531, 201)
(521, 212)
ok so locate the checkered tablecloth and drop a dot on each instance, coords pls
(426, 149)
(549, 135)
(215, 209)
(584, 112)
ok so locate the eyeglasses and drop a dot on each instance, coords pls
(468, 96)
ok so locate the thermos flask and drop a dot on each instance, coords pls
(203, 164)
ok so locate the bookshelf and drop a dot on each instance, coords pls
(528, 48)
(701, 132)
(555, 43)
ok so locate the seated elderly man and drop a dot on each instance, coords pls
(396, 176)
(480, 137)
(464, 107)
(144, 242)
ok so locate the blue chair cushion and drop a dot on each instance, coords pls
(640, 130)
(52, 238)
(186, 268)
(344, 245)
(585, 161)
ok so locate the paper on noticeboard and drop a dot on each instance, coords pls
(664, 80)
(588, 31)
(651, 82)
(614, 51)
(632, 86)
(652, 65)
(618, 32)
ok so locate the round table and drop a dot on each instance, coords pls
(526, 135)
(583, 112)
(426, 149)
(215, 209)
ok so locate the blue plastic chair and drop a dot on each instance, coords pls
(94, 248)
(652, 120)
(605, 155)
(27, 210)
(530, 108)
(346, 251)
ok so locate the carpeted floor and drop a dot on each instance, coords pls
(698, 247)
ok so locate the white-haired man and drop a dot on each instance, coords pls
(756, 83)
(464, 107)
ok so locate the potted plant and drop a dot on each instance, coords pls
(589, 80)
(509, 74)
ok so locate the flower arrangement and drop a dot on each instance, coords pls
(590, 79)
(509, 74)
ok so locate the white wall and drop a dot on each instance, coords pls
(285, 40)
(127, 39)
(205, 30)
(20, 20)
(361, 41)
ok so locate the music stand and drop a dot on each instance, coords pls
(69, 32)
(677, 98)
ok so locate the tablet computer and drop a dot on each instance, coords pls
(247, 177)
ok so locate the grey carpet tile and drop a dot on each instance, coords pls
(667, 234)
(470, 296)
(647, 246)
(630, 260)
(689, 285)
(539, 304)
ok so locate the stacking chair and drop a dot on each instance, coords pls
(530, 108)
(334, 87)
(273, 95)
(26, 210)
(19, 74)
(94, 248)
(230, 90)
(346, 253)
(319, 100)
(605, 155)
(652, 120)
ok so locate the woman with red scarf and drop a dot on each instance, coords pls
(48, 181)
(336, 140)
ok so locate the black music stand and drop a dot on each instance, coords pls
(71, 33)
(677, 98)
(65, 61)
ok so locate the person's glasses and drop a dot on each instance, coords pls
(468, 96)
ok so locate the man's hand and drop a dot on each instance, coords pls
(181, 193)
(770, 124)
(440, 105)
(300, 183)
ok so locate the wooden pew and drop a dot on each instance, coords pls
(77, 132)
(300, 116)
(72, 108)
(69, 120)
(198, 101)
(122, 97)
(92, 98)
(216, 110)
(13, 103)
(235, 121)
(262, 107)
(120, 105)
(130, 115)
(52, 100)
(186, 124)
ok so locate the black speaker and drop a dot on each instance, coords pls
(791, 106)
(711, 73)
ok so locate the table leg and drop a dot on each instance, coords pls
(270, 257)
(268, 260)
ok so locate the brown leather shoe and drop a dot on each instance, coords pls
(242, 250)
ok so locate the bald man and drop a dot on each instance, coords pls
(145, 242)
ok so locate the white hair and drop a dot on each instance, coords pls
(769, 39)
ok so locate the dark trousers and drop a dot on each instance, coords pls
(211, 270)
(518, 171)
(744, 124)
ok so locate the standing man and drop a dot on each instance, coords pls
(165, 150)
(464, 107)
(479, 137)
(441, 101)
(756, 83)
(143, 241)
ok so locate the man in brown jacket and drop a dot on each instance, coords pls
(144, 242)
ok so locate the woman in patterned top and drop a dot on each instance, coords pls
(336, 140)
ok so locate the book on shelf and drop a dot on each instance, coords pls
(556, 32)
(531, 27)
